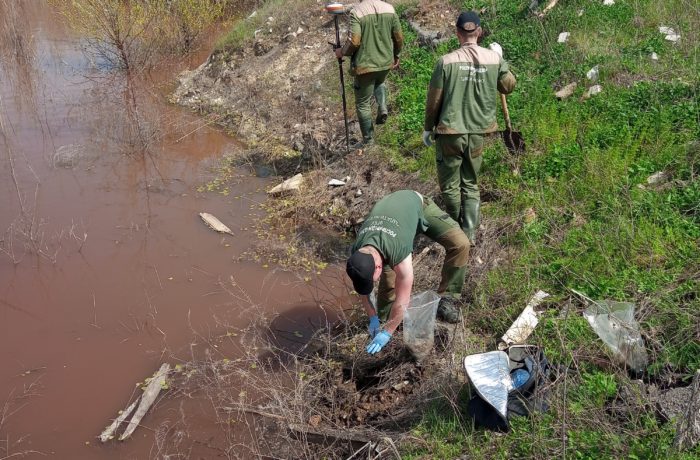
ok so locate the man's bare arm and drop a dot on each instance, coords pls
(404, 284)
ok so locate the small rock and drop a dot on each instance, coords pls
(566, 91)
(593, 74)
(336, 183)
(400, 386)
(673, 403)
(563, 37)
(608, 2)
(358, 192)
(529, 216)
(315, 421)
(299, 30)
(68, 156)
(592, 91)
(654, 56)
(657, 178)
(260, 48)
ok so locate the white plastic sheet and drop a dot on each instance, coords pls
(615, 324)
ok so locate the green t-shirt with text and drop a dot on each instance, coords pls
(392, 225)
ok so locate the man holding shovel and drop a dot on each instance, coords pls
(383, 251)
(374, 42)
(460, 109)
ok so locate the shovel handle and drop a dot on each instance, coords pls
(506, 114)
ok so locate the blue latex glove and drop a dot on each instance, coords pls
(380, 340)
(373, 326)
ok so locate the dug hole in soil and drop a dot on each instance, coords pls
(355, 389)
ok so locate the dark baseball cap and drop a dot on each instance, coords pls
(468, 20)
(360, 269)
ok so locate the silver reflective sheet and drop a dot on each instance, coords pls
(490, 375)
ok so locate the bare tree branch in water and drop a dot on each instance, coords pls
(128, 34)
(112, 28)
(16, 51)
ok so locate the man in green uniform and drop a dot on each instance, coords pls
(383, 250)
(374, 42)
(460, 109)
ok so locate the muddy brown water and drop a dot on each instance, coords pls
(106, 270)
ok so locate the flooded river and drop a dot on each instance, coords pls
(106, 270)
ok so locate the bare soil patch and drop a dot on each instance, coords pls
(436, 15)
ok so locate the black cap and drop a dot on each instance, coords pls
(360, 269)
(468, 20)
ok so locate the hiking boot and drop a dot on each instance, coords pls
(448, 310)
(381, 118)
(363, 144)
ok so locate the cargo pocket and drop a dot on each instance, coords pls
(476, 145)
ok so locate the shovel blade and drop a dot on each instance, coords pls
(514, 141)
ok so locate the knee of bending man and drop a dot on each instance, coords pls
(457, 246)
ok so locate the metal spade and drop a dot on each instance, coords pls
(512, 139)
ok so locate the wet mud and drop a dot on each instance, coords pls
(380, 391)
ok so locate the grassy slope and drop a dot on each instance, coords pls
(597, 230)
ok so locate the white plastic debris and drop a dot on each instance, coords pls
(525, 323)
(615, 325)
(670, 34)
(654, 56)
(563, 37)
(593, 74)
(592, 91)
(580, 12)
(658, 178)
(336, 182)
(608, 2)
(358, 192)
(489, 373)
(253, 14)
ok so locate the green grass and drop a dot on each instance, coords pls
(600, 228)
(243, 29)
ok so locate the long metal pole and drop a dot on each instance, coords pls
(342, 87)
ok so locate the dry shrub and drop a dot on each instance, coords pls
(129, 34)
(312, 394)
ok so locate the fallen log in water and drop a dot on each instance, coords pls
(150, 394)
(214, 223)
(108, 433)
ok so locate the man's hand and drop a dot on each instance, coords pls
(428, 138)
(396, 64)
(339, 53)
(373, 326)
(380, 340)
(497, 48)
